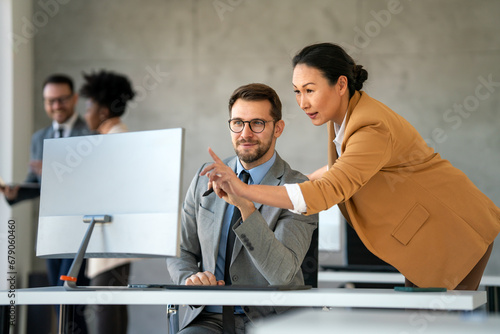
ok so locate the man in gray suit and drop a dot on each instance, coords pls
(59, 103)
(269, 243)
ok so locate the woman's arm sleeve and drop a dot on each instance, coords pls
(367, 151)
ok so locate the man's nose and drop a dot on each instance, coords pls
(57, 104)
(246, 132)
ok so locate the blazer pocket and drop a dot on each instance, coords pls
(410, 224)
(205, 213)
(205, 224)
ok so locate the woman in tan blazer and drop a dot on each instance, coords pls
(410, 207)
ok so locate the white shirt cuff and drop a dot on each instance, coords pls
(296, 197)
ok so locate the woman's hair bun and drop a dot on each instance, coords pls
(360, 75)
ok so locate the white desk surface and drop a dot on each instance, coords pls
(381, 277)
(366, 298)
(378, 321)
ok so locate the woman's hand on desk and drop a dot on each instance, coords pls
(203, 278)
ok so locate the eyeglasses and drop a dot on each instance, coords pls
(257, 125)
(60, 100)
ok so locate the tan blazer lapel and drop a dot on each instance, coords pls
(332, 157)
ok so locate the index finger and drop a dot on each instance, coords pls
(213, 155)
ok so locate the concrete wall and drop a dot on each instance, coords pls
(17, 230)
(430, 61)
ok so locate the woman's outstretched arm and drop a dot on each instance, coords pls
(224, 181)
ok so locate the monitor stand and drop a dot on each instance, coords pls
(70, 278)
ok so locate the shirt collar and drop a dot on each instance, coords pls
(339, 131)
(66, 126)
(257, 173)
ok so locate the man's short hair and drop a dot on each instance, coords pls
(257, 92)
(59, 79)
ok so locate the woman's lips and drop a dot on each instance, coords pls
(312, 115)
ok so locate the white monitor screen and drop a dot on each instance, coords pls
(133, 177)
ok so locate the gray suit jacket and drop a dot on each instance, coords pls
(79, 129)
(269, 248)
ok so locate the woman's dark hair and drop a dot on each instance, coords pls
(108, 89)
(333, 62)
(257, 92)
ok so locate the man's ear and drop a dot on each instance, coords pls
(279, 126)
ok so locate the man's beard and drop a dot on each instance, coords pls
(250, 157)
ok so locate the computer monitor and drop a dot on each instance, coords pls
(342, 249)
(135, 178)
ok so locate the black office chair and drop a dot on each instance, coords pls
(309, 269)
(310, 264)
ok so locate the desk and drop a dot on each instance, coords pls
(491, 283)
(378, 321)
(382, 277)
(364, 298)
(371, 298)
(360, 277)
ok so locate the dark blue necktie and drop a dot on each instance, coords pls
(231, 236)
(228, 311)
(60, 131)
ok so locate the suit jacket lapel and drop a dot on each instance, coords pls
(78, 127)
(332, 157)
(49, 133)
(272, 178)
(332, 151)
